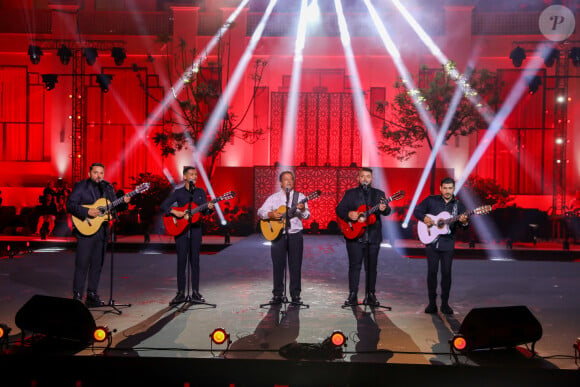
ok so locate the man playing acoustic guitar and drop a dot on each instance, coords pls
(179, 198)
(441, 250)
(363, 248)
(91, 246)
(291, 242)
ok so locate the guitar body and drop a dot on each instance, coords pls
(90, 226)
(428, 235)
(352, 229)
(175, 226)
(271, 228)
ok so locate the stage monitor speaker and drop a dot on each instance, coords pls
(508, 326)
(62, 318)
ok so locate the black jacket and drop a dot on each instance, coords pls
(353, 199)
(434, 205)
(87, 192)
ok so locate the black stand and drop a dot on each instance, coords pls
(285, 301)
(189, 300)
(111, 303)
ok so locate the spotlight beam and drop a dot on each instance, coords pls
(221, 107)
(436, 146)
(289, 131)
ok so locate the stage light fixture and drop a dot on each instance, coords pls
(338, 339)
(35, 53)
(104, 81)
(4, 332)
(50, 81)
(534, 84)
(560, 99)
(517, 56)
(118, 53)
(64, 53)
(220, 336)
(458, 343)
(102, 333)
(550, 56)
(91, 55)
(574, 55)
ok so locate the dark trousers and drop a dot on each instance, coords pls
(290, 246)
(89, 259)
(357, 254)
(183, 244)
(435, 258)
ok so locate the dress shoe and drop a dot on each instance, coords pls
(431, 308)
(297, 300)
(371, 300)
(93, 300)
(446, 309)
(352, 299)
(77, 296)
(197, 297)
(276, 300)
(178, 299)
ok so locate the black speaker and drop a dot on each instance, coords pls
(62, 318)
(508, 326)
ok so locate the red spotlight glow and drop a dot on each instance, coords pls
(459, 343)
(2, 332)
(337, 339)
(219, 336)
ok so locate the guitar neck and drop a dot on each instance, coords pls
(456, 218)
(376, 207)
(121, 199)
(203, 207)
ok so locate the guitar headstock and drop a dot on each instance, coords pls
(397, 195)
(314, 195)
(142, 187)
(482, 210)
(228, 195)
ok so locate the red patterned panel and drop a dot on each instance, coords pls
(311, 135)
(335, 129)
(309, 180)
(347, 179)
(278, 103)
(265, 184)
(323, 129)
(300, 134)
(347, 130)
(356, 153)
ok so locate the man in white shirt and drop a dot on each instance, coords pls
(290, 243)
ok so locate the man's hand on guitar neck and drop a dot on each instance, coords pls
(463, 218)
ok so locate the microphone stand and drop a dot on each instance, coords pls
(111, 303)
(188, 280)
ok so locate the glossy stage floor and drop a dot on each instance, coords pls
(238, 278)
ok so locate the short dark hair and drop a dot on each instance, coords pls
(96, 165)
(447, 180)
(365, 169)
(187, 168)
(283, 173)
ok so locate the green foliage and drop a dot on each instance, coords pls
(407, 132)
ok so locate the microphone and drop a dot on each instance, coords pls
(365, 186)
(287, 190)
(191, 184)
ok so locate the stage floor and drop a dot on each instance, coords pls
(238, 278)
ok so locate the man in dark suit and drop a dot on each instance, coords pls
(190, 239)
(90, 248)
(442, 249)
(365, 248)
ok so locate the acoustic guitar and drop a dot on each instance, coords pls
(91, 225)
(271, 228)
(175, 226)
(441, 222)
(355, 228)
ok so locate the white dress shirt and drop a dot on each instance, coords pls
(278, 199)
